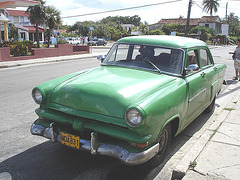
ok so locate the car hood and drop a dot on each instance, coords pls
(108, 90)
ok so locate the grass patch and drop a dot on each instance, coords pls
(214, 132)
(192, 164)
(229, 109)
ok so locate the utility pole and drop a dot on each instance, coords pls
(188, 17)
(226, 11)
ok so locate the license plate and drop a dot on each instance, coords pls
(70, 140)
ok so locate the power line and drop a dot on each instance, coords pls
(194, 2)
(136, 7)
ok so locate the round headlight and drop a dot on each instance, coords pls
(37, 96)
(133, 117)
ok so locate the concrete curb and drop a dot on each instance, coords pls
(9, 64)
(218, 118)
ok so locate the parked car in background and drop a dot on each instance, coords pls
(146, 91)
(74, 41)
(97, 42)
(46, 42)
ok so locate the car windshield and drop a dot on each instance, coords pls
(152, 58)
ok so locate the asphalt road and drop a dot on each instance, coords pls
(28, 157)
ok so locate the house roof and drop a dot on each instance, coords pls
(3, 18)
(17, 3)
(17, 13)
(210, 19)
(192, 22)
(32, 29)
(62, 31)
(182, 21)
(22, 28)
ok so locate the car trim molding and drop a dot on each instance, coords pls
(198, 94)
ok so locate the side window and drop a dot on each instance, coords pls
(205, 58)
(192, 58)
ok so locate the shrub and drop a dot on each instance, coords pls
(61, 41)
(205, 36)
(180, 34)
(202, 29)
(155, 32)
(19, 48)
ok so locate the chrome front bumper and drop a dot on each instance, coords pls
(96, 147)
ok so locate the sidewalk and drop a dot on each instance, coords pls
(7, 64)
(216, 155)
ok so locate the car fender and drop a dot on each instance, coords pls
(163, 107)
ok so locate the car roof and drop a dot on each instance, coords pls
(164, 40)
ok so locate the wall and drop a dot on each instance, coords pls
(59, 50)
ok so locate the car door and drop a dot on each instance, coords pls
(197, 86)
(212, 72)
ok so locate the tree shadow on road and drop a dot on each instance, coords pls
(54, 161)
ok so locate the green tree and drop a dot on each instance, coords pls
(234, 24)
(100, 30)
(173, 27)
(202, 29)
(37, 16)
(13, 32)
(81, 28)
(143, 28)
(135, 20)
(52, 19)
(210, 6)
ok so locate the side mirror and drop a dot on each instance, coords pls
(101, 58)
(190, 69)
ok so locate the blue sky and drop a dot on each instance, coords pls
(149, 14)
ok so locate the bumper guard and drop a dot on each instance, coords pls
(96, 147)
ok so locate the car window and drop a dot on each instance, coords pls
(192, 58)
(146, 57)
(205, 58)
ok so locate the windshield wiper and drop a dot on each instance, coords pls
(150, 62)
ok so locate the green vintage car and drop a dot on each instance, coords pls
(146, 91)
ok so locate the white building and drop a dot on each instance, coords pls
(26, 30)
(4, 4)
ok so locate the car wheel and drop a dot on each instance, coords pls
(211, 107)
(164, 143)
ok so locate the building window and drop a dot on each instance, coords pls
(31, 36)
(21, 19)
(23, 36)
(15, 19)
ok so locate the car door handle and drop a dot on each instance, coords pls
(203, 74)
(215, 68)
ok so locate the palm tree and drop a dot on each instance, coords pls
(52, 19)
(143, 28)
(210, 6)
(37, 17)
